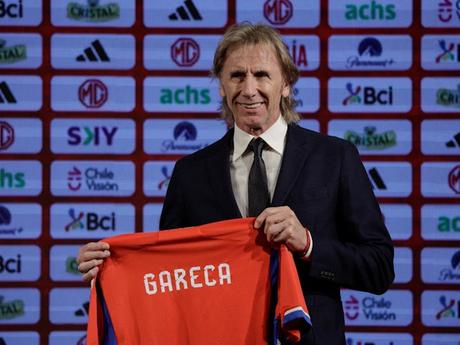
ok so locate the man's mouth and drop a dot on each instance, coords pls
(253, 105)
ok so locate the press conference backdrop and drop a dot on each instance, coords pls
(99, 98)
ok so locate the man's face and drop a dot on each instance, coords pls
(252, 82)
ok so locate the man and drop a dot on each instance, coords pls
(315, 197)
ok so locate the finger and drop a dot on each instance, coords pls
(97, 246)
(90, 275)
(272, 229)
(87, 256)
(261, 218)
(86, 266)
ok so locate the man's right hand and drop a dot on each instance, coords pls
(90, 256)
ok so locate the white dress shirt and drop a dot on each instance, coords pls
(241, 160)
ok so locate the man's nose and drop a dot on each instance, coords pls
(249, 87)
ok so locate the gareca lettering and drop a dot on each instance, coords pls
(187, 95)
(372, 11)
(446, 224)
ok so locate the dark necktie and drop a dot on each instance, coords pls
(258, 195)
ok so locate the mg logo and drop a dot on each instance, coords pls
(454, 179)
(93, 93)
(185, 52)
(6, 135)
(278, 11)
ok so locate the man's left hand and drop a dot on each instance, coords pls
(281, 226)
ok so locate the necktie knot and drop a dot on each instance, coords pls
(256, 145)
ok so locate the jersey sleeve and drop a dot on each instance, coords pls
(291, 310)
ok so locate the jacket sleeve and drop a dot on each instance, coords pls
(361, 256)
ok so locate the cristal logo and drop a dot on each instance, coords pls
(93, 12)
(91, 221)
(454, 179)
(454, 273)
(447, 53)
(74, 179)
(9, 55)
(98, 135)
(6, 135)
(446, 224)
(11, 10)
(185, 52)
(10, 309)
(352, 308)
(369, 50)
(448, 309)
(370, 95)
(448, 97)
(298, 53)
(93, 93)
(371, 140)
(278, 12)
(370, 11)
(163, 184)
(187, 95)
(448, 10)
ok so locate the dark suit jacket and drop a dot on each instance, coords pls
(324, 182)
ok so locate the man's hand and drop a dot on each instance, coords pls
(281, 226)
(90, 256)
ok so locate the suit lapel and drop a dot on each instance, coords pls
(218, 167)
(298, 147)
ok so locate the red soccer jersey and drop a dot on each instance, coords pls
(210, 284)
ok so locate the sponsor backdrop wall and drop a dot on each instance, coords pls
(99, 98)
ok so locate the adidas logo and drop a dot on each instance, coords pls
(6, 96)
(455, 142)
(95, 52)
(181, 12)
(377, 181)
(83, 311)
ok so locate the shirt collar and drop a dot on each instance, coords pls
(273, 136)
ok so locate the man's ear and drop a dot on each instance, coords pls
(286, 90)
(221, 90)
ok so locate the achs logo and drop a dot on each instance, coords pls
(163, 184)
(185, 52)
(278, 12)
(11, 309)
(454, 179)
(99, 135)
(186, 12)
(369, 95)
(91, 221)
(93, 12)
(369, 50)
(6, 96)
(5, 220)
(448, 309)
(448, 10)
(455, 142)
(453, 274)
(12, 180)
(93, 93)
(12, 10)
(9, 55)
(6, 135)
(94, 53)
(448, 52)
(187, 95)
(370, 11)
(352, 308)
(74, 179)
(449, 97)
(370, 140)
(447, 224)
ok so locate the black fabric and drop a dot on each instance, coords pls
(258, 195)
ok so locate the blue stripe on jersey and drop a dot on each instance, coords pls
(109, 334)
(274, 273)
(296, 315)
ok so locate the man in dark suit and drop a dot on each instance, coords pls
(315, 196)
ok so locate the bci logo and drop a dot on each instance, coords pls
(185, 52)
(12, 180)
(98, 135)
(90, 221)
(368, 95)
(450, 308)
(187, 95)
(278, 12)
(10, 264)
(12, 9)
(370, 11)
(449, 52)
(448, 10)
